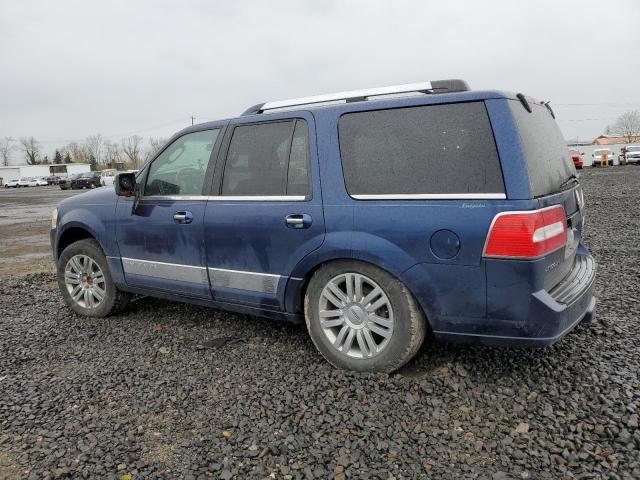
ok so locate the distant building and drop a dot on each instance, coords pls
(613, 140)
(578, 143)
(14, 172)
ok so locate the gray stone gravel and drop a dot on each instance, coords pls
(174, 391)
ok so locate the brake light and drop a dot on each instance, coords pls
(527, 235)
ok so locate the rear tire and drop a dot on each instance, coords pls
(85, 281)
(362, 318)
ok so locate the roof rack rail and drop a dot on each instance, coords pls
(433, 87)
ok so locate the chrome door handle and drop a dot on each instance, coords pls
(183, 217)
(297, 220)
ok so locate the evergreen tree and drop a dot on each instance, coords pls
(92, 162)
(67, 158)
(45, 161)
(57, 158)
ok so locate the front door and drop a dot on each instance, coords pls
(265, 213)
(162, 242)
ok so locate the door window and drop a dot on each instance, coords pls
(268, 159)
(298, 174)
(180, 168)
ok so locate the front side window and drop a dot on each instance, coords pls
(436, 149)
(268, 159)
(180, 168)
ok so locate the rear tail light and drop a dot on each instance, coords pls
(527, 235)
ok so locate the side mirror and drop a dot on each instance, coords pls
(125, 184)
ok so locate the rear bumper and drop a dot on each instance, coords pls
(551, 314)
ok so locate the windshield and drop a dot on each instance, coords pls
(545, 149)
(633, 149)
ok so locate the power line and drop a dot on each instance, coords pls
(607, 104)
(584, 119)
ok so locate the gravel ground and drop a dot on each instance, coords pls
(174, 391)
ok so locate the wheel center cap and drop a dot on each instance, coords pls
(356, 315)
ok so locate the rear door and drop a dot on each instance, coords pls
(265, 212)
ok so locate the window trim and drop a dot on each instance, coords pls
(423, 196)
(293, 134)
(431, 196)
(231, 198)
(207, 174)
(216, 190)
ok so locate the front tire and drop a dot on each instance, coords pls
(362, 318)
(85, 281)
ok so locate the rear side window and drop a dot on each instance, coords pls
(436, 149)
(545, 149)
(268, 159)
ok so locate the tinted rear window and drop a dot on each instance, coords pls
(545, 149)
(435, 149)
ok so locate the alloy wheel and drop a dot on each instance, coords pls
(356, 315)
(85, 281)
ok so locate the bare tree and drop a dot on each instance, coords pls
(31, 149)
(94, 143)
(155, 144)
(132, 148)
(112, 152)
(5, 150)
(628, 126)
(79, 153)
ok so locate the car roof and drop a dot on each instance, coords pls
(384, 102)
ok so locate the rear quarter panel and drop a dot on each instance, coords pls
(396, 235)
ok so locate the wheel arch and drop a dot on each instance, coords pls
(297, 287)
(72, 234)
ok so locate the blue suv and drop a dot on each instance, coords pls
(375, 216)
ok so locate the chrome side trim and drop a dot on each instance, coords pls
(253, 198)
(243, 280)
(167, 271)
(175, 197)
(260, 198)
(434, 196)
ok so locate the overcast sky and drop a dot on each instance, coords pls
(69, 69)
